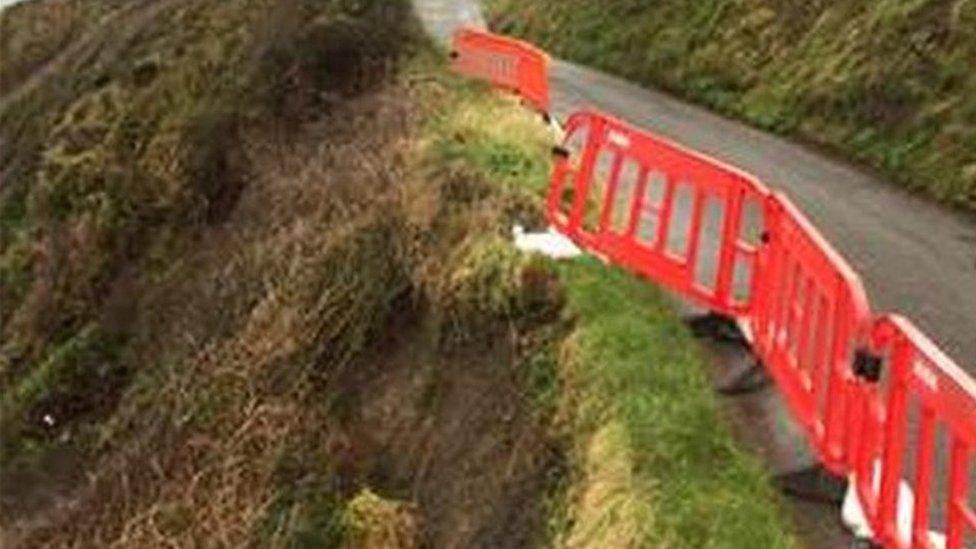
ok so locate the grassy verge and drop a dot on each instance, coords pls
(888, 84)
(651, 462)
(657, 466)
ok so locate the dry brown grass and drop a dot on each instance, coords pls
(219, 211)
(303, 272)
(229, 308)
(118, 159)
(31, 36)
(607, 511)
(238, 325)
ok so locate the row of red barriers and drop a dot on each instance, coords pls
(872, 394)
(718, 236)
(504, 62)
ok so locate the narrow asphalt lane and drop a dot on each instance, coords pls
(916, 257)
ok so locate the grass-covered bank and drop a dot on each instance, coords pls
(655, 464)
(218, 217)
(258, 291)
(886, 83)
(650, 461)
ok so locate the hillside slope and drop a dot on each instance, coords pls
(888, 83)
(257, 291)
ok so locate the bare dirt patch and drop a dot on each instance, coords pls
(453, 431)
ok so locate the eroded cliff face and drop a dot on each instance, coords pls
(245, 300)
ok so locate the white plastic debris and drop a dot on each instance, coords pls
(853, 517)
(469, 14)
(558, 133)
(550, 243)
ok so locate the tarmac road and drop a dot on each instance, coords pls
(916, 257)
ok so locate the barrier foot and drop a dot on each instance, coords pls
(813, 484)
(751, 379)
(715, 326)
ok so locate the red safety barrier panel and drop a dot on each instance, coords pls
(505, 62)
(668, 213)
(898, 421)
(718, 236)
(810, 317)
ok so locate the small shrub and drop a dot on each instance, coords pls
(372, 522)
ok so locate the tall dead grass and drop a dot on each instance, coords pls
(131, 149)
(238, 328)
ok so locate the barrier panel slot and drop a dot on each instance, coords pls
(650, 209)
(710, 243)
(681, 210)
(751, 230)
(624, 197)
(597, 202)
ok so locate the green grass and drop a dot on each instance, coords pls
(887, 83)
(651, 462)
(485, 136)
(637, 386)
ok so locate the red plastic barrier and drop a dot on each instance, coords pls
(920, 382)
(718, 236)
(810, 317)
(668, 213)
(505, 62)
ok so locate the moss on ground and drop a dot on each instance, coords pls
(888, 83)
